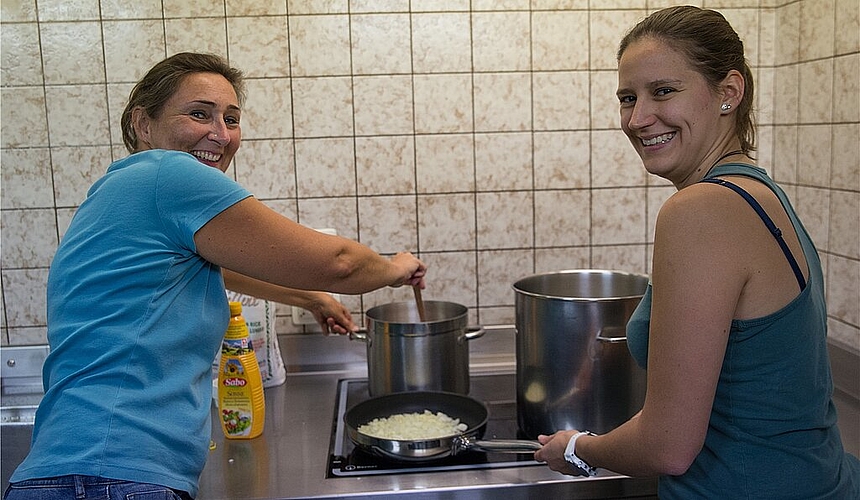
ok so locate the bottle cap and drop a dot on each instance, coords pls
(235, 308)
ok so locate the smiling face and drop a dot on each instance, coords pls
(201, 118)
(670, 114)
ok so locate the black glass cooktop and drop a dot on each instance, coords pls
(497, 391)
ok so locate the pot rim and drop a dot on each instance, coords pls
(518, 285)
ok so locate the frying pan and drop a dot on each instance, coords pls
(471, 412)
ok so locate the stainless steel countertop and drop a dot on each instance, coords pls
(290, 459)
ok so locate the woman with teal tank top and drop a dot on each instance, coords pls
(732, 328)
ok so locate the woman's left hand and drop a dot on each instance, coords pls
(553, 452)
(331, 315)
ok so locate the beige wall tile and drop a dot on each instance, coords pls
(607, 29)
(383, 105)
(267, 168)
(478, 5)
(453, 277)
(64, 105)
(317, 6)
(784, 168)
(446, 222)
(788, 33)
(614, 162)
(66, 10)
(560, 100)
(268, 111)
(29, 239)
(256, 7)
(24, 297)
(26, 179)
(143, 39)
(325, 167)
(843, 294)
(385, 165)
(559, 40)
(440, 5)
(505, 219)
(18, 11)
(441, 43)
(561, 160)
(502, 102)
(814, 155)
(20, 59)
(381, 44)
(844, 219)
(562, 218)
(813, 207)
(443, 103)
(847, 21)
(625, 258)
(75, 170)
(746, 23)
(322, 107)
(503, 161)
(378, 6)
(445, 163)
(72, 53)
(24, 123)
(501, 41)
(197, 35)
(198, 8)
(816, 91)
(845, 172)
(604, 103)
(846, 88)
(786, 83)
(123, 9)
(259, 46)
(497, 271)
(336, 213)
(560, 259)
(319, 45)
(816, 29)
(617, 216)
(388, 224)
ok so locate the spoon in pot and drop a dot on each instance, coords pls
(422, 315)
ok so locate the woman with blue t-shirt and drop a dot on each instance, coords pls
(136, 293)
(732, 328)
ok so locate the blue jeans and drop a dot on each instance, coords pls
(89, 488)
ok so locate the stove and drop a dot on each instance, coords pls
(497, 391)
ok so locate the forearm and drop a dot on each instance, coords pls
(250, 286)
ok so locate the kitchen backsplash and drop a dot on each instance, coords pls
(482, 135)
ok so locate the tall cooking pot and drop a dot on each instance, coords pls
(573, 367)
(406, 354)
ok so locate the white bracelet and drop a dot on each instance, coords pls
(572, 459)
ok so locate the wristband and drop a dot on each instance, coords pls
(572, 459)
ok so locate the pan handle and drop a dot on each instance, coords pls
(496, 445)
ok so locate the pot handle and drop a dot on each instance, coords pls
(473, 332)
(361, 336)
(606, 334)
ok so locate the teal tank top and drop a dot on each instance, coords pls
(772, 432)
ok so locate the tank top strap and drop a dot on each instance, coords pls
(768, 222)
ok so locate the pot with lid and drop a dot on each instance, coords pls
(573, 367)
(407, 354)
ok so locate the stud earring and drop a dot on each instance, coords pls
(726, 106)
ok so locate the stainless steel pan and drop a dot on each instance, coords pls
(470, 411)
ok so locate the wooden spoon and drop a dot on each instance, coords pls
(422, 315)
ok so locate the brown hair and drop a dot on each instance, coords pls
(162, 81)
(711, 45)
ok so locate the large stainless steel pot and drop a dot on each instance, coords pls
(407, 354)
(573, 367)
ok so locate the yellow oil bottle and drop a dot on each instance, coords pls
(241, 402)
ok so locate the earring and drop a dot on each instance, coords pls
(726, 106)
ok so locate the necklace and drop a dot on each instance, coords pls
(721, 158)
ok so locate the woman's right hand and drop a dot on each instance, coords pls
(413, 270)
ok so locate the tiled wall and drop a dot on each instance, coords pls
(481, 134)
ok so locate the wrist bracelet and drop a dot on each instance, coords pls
(572, 459)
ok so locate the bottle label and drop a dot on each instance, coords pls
(235, 399)
(236, 346)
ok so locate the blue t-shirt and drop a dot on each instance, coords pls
(135, 318)
(772, 431)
